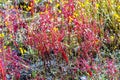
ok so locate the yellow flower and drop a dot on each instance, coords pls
(41, 12)
(59, 11)
(0, 50)
(6, 23)
(5, 47)
(97, 5)
(12, 7)
(57, 5)
(75, 14)
(96, 41)
(24, 6)
(1, 35)
(81, 4)
(28, 8)
(36, 1)
(117, 17)
(87, 2)
(46, 11)
(112, 38)
(10, 35)
(50, 1)
(22, 51)
(118, 7)
(70, 19)
(55, 29)
(47, 5)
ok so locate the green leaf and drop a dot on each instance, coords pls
(34, 73)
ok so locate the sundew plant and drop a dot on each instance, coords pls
(59, 39)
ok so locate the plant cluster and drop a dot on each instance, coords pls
(60, 39)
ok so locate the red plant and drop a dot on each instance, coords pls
(2, 70)
(12, 64)
(49, 36)
(87, 34)
(85, 66)
(47, 41)
(111, 68)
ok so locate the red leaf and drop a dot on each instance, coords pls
(90, 72)
(2, 70)
(64, 56)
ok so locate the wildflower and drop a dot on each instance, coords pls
(12, 7)
(97, 5)
(117, 17)
(70, 19)
(112, 38)
(25, 6)
(11, 36)
(6, 23)
(96, 41)
(75, 14)
(50, 1)
(0, 50)
(55, 29)
(1, 35)
(87, 2)
(81, 4)
(22, 51)
(4, 47)
(59, 11)
(57, 5)
(29, 8)
(37, 1)
(118, 7)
